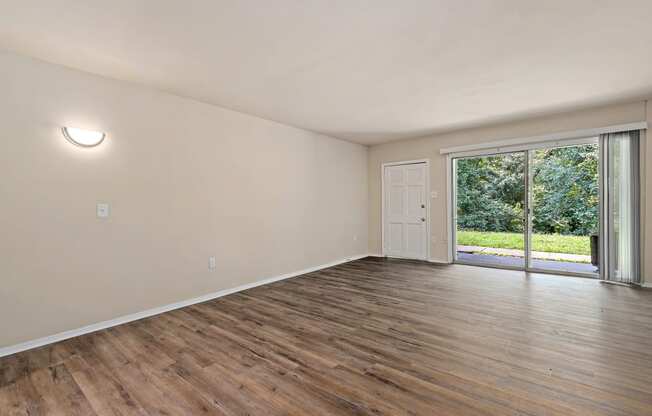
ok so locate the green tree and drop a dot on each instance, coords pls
(566, 190)
(491, 191)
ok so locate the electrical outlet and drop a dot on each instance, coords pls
(211, 263)
(355, 237)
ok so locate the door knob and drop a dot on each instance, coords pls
(423, 219)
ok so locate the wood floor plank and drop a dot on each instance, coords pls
(369, 337)
(59, 391)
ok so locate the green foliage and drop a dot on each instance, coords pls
(566, 190)
(549, 243)
(491, 191)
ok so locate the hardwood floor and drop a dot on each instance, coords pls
(377, 337)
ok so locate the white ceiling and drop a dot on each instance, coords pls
(366, 71)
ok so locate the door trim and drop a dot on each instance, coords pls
(382, 203)
(451, 208)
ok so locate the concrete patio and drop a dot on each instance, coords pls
(561, 262)
(540, 255)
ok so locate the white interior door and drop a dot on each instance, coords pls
(405, 227)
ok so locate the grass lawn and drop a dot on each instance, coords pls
(550, 243)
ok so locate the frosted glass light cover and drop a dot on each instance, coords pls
(84, 138)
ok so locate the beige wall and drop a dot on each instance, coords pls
(185, 181)
(428, 148)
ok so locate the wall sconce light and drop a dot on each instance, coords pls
(83, 138)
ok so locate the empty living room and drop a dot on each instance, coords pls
(325, 207)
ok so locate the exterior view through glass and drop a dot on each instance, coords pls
(536, 209)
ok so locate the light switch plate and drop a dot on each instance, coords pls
(103, 210)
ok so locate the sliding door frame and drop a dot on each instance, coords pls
(527, 149)
(604, 210)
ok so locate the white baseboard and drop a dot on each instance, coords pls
(435, 261)
(28, 345)
(646, 285)
(438, 261)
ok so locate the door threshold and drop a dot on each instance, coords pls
(531, 270)
(564, 273)
(489, 266)
(403, 258)
(611, 282)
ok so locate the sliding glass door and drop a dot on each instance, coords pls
(564, 210)
(535, 209)
(490, 201)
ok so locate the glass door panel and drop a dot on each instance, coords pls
(564, 207)
(489, 210)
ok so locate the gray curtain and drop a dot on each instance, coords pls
(621, 203)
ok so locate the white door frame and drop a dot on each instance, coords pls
(451, 204)
(427, 198)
